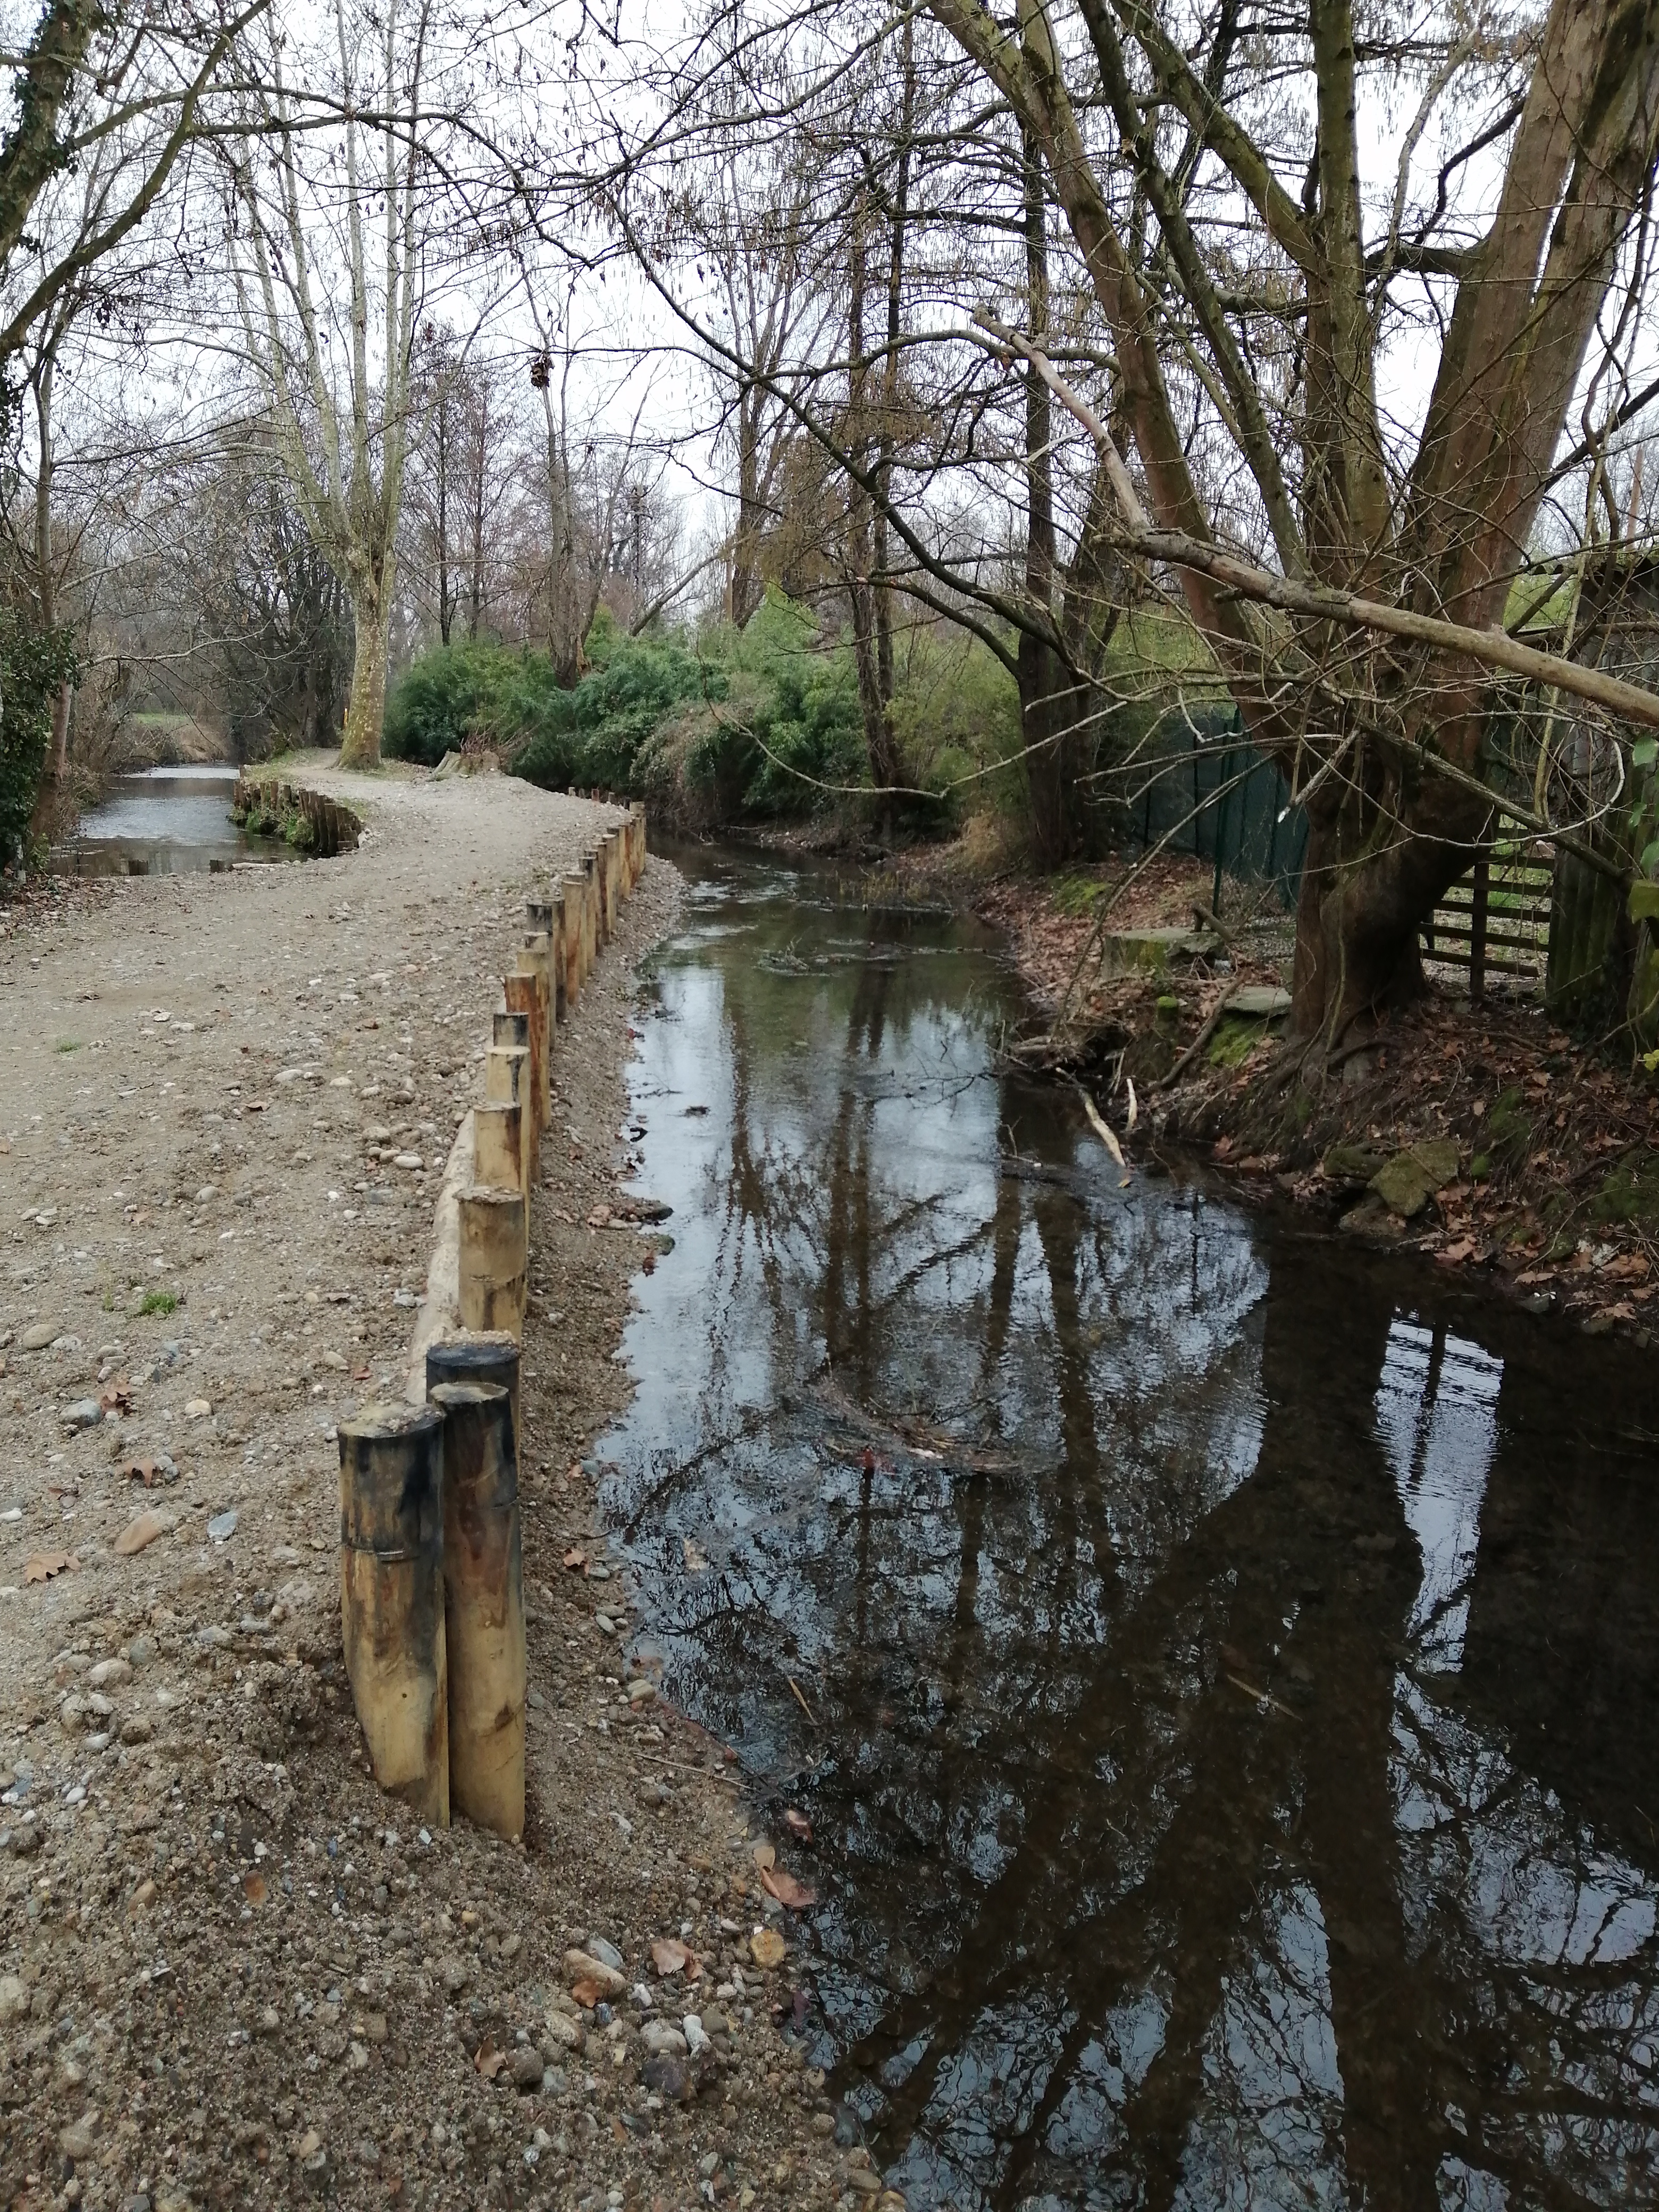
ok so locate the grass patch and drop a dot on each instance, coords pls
(158, 1301)
(69, 1044)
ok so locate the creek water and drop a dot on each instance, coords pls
(1217, 1665)
(166, 822)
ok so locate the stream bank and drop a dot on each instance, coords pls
(230, 1971)
(1485, 1136)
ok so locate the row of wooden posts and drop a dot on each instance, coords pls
(431, 1582)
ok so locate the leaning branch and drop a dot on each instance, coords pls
(1493, 649)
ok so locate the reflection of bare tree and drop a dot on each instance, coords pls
(1170, 1845)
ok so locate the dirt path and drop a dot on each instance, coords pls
(230, 1971)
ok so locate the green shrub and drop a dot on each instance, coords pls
(440, 700)
(34, 664)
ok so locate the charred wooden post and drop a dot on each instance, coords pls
(492, 1259)
(498, 1150)
(523, 988)
(484, 1605)
(484, 1355)
(391, 1598)
(510, 1029)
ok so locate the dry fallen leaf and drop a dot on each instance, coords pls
(764, 1855)
(668, 1956)
(253, 1887)
(786, 1890)
(45, 1564)
(767, 1948)
(575, 1559)
(489, 2061)
(587, 1994)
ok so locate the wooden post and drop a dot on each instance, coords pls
(546, 918)
(507, 1083)
(487, 1356)
(493, 1247)
(574, 972)
(509, 1029)
(484, 1606)
(523, 987)
(1478, 903)
(498, 1147)
(391, 1598)
(608, 886)
(538, 948)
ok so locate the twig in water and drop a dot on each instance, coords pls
(801, 1701)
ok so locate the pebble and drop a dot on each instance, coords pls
(528, 2068)
(222, 1525)
(406, 1160)
(84, 1413)
(583, 1966)
(142, 1531)
(669, 2077)
(39, 1334)
(109, 1673)
(606, 1953)
(141, 1652)
(197, 1409)
(661, 2036)
(565, 2031)
(696, 2038)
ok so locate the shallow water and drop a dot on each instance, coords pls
(1218, 1666)
(165, 822)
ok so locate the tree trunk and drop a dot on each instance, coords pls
(360, 745)
(890, 379)
(1378, 860)
(878, 720)
(443, 519)
(1049, 702)
(745, 543)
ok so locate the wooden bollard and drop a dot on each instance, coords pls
(575, 974)
(509, 1029)
(498, 1145)
(546, 918)
(507, 1083)
(607, 870)
(492, 1259)
(484, 1606)
(391, 1598)
(538, 948)
(591, 937)
(636, 837)
(523, 988)
(486, 1355)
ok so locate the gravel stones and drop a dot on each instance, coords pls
(140, 1534)
(39, 1334)
(586, 1974)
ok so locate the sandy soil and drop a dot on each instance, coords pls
(231, 1971)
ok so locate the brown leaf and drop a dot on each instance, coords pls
(253, 1886)
(116, 1397)
(575, 1559)
(786, 1890)
(799, 1825)
(143, 1470)
(599, 1217)
(767, 1948)
(669, 1955)
(45, 1564)
(489, 2061)
(587, 1994)
(764, 1856)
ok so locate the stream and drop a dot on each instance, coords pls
(1217, 1665)
(166, 822)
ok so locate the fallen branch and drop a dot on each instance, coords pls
(1203, 1037)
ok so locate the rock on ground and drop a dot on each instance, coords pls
(231, 1971)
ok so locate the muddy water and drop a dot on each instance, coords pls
(1219, 1667)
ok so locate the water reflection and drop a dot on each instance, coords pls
(1219, 1667)
(166, 822)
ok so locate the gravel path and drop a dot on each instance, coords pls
(229, 1971)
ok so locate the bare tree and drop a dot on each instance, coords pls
(328, 310)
